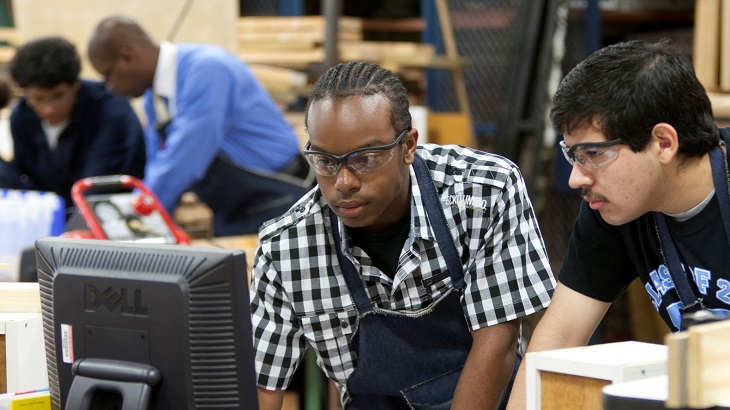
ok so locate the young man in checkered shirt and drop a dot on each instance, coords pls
(407, 269)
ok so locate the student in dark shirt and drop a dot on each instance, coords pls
(64, 128)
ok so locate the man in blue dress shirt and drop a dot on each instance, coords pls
(212, 128)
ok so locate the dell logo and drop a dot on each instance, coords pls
(113, 300)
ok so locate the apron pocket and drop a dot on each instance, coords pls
(434, 394)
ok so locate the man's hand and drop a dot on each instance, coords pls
(569, 321)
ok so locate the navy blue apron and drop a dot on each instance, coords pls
(691, 303)
(410, 360)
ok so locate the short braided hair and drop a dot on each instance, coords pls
(363, 79)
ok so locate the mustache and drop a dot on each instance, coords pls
(585, 192)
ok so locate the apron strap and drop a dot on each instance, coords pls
(352, 278)
(720, 179)
(690, 302)
(438, 222)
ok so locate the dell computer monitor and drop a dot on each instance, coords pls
(158, 326)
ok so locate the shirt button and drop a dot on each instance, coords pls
(344, 324)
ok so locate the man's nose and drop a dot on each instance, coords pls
(346, 179)
(579, 177)
(46, 110)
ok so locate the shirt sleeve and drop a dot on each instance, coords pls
(117, 143)
(195, 135)
(511, 275)
(278, 341)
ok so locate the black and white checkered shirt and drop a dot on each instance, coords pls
(299, 298)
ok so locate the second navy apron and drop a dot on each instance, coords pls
(409, 360)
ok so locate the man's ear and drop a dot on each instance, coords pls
(410, 142)
(667, 142)
(126, 53)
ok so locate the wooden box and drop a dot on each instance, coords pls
(22, 353)
(573, 378)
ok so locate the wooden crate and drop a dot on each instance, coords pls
(711, 44)
(698, 366)
(22, 353)
(573, 378)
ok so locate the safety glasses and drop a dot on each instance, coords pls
(592, 155)
(360, 161)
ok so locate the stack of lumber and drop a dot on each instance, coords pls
(20, 297)
(298, 42)
(289, 41)
(284, 84)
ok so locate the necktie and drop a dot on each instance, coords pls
(163, 116)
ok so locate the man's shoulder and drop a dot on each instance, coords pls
(98, 93)
(22, 111)
(192, 54)
(301, 219)
(466, 164)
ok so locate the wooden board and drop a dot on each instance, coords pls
(708, 363)
(698, 366)
(725, 46)
(285, 37)
(706, 43)
(449, 128)
(20, 297)
(677, 369)
(295, 24)
(568, 392)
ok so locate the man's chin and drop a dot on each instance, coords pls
(613, 219)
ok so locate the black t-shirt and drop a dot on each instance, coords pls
(384, 248)
(612, 257)
(602, 260)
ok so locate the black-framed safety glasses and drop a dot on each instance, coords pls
(360, 161)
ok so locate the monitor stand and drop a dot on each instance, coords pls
(99, 383)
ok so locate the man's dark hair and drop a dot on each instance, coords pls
(6, 91)
(629, 87)
(46, 63)
(363, 79)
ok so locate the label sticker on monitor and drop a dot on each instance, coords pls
(67, 343)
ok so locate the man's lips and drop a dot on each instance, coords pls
(351, 209)
(594, 202)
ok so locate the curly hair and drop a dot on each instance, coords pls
(45, 63)
(363, 79)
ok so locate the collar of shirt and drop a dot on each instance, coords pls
(166, 75)
(53, 132)
(419, 228)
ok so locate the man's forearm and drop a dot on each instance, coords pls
(270, 399)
